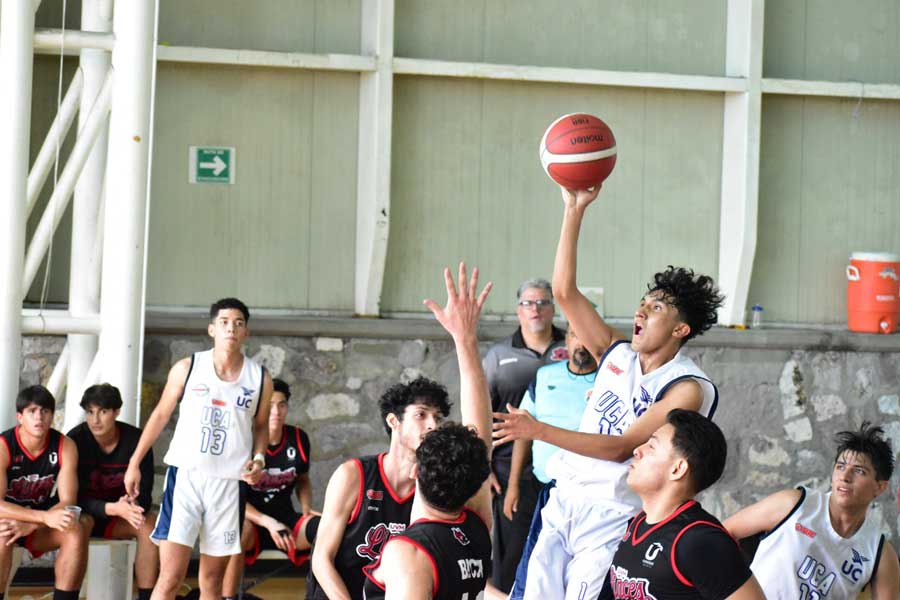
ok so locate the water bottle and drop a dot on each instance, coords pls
(756, 314)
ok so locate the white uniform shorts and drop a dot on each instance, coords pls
(576, 546)
(193, 504)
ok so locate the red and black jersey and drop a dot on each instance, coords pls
(31, 479)
(285, 461)
(460, 554)
(686, 555)
(101, 476)
(379, 514)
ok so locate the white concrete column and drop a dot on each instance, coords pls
(16, 57)
(373, 187)
(127, 183)
(740, 158)
(84, 282)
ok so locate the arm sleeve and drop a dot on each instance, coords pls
(710, 559)
(145, 495)
(489, 364)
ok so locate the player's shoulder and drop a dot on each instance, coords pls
(77, 433)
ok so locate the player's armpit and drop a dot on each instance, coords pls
(887, 579)
(749, 591)
(763, 516)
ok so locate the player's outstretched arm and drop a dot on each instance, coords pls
(341, 497)
(762, 516)
(156, 423)
(519, 424)
(460, 318)
(887, 580)
(592, 329)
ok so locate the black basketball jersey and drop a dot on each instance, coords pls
(686, 555)
(31, 479)
(284, 463)
(101, 476)
(460, 553)
(379, 514)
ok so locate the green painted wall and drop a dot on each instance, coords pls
(283, 235)
(829, 185)
(466, 181)
(832, 41)
(644, 35)
(467, 184)
(321, 26)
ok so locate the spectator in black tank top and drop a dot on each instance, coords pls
(34, 458)
(271, 521)
(445, 553)
(105, 446)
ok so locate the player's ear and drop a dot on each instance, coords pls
(211, 330)
(682, 330)
(414, 472)
(392, 421)
(880, 487)
(679, 469)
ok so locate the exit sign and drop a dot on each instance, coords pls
(211, 164)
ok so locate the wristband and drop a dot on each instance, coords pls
(258, 457)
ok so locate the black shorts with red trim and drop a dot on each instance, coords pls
(103, 527)
(27, 542)
(262, 539)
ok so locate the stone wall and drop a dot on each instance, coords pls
(779, 407)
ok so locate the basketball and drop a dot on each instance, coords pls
(578, 151)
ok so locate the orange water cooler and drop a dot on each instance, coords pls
(873, 292)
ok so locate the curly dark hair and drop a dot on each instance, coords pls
(868, 441)
(418, 391)
(701, 443)
(695, 297)
(453, 463)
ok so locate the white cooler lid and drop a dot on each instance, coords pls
(875, 256)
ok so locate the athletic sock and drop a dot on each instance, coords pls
(223, 598)
(63, 595)
(143, 593)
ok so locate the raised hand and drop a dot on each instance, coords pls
(579, 199)
(460, 316)
(517, 424)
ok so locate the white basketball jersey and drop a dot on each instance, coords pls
(621, 394)
(214, 433)
(805, 558)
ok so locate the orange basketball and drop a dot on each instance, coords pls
(578, 151)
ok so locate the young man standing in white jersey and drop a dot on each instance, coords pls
(637, 384)
(224, 410)
(821, 545)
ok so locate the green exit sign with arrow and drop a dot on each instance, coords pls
(211, 164)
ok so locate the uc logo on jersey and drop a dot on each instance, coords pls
(245, 399)
(853, 568)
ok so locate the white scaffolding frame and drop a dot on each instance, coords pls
(112, 90)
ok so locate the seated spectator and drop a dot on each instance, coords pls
(104, 447)
(271, 521)
(36, 460)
